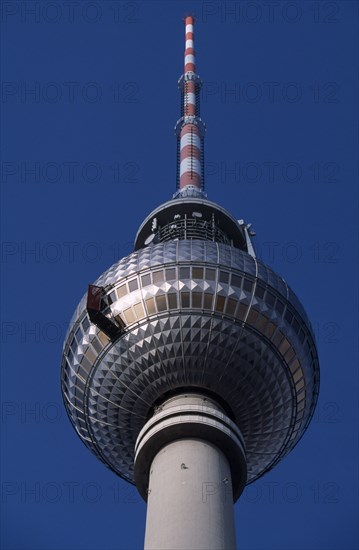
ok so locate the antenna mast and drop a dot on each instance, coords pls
(190, 129)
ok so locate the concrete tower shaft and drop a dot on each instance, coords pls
(190, 502)
(190, 465)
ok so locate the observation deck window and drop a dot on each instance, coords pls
(133, 285)
(158, 277)
(146, 279)
(161, 303)
(197, 272)
(197, 299)
(185, 273)
(172, 300)
(247, 285)
(185, 299)
(171, 274)
(224, 277)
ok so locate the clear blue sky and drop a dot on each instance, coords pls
(90, 151)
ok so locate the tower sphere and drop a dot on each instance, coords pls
(191, 313)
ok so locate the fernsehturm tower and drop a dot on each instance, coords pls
(190, 368)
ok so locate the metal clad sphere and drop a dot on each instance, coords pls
(197, 314)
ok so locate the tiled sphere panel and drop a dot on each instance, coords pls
(196, 314)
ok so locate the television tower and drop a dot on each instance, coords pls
(190, 367)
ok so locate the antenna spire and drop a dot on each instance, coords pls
(190, 129)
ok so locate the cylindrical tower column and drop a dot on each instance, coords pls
(190, 467)
(190, 500)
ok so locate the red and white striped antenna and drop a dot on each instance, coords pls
(190, 129)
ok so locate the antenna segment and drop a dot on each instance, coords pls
(190, 129)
